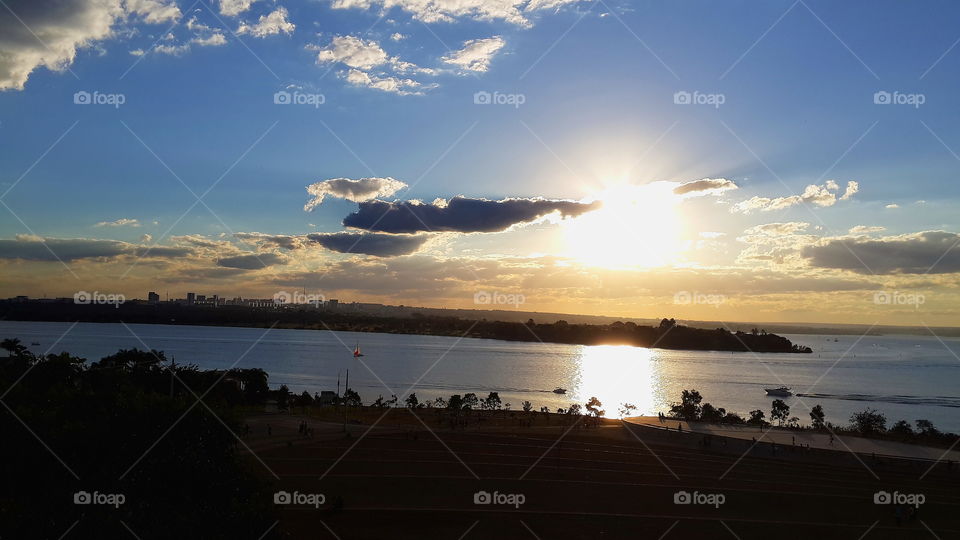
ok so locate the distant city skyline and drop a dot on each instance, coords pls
(784, 161)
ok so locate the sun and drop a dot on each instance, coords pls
(637, 226)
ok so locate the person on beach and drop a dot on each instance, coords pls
(679, 427)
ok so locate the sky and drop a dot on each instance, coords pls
(780, 161)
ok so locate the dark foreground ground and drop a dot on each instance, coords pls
(407, 479)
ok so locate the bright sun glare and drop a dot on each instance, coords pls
(638, 226)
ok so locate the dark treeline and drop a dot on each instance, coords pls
(668, 335)
(104, 420)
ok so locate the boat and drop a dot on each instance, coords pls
(356, 351)
(559, 390)
(781, 391)
(34, 343)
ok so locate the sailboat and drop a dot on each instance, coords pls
(356, 351)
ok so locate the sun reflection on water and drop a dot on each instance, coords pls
(618, 374)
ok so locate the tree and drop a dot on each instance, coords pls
(817, 417)
(527, 406)
(593, 407)
(455, 402)
(351, 398)
(440, 403)
(283, 397)
(626, 408)
(412, 401)
(574, 409)
(470, 401)
(902, 429)
(492, 402)
(303, 400)
(757, 417)
(869, 421)
(925, 428)
(689, 406)
(379, 402)
(779, 411)
(709, 413)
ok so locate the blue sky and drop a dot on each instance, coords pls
(598, 81)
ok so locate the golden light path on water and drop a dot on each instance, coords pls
(618, 374)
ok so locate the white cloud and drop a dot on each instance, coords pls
(122, 222)
(213, 40)
(48, 33)
(892, 206)
(153, 11)
(852, 188)
(383, 83)
(476, 54)
(146, 238)
(397, 36)
(353, 52)
(866, 229)
(364, 189)
(267, 25)
(448, 10)
(232, 8)
(706, 186)
(825, 195)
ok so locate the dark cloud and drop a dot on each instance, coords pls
(70, 249)
(380, 245)
(252, 261)
(707, 185)
(933, 252)
(460, 214)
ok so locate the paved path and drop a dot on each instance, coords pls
(786, 437)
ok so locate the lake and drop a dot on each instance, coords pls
(905, 377)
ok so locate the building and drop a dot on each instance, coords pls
(333, 303)
(153, 297)
(327, 397)
(191, 298)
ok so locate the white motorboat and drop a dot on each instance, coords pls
(782, 391)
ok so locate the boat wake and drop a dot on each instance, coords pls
(936, 401)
